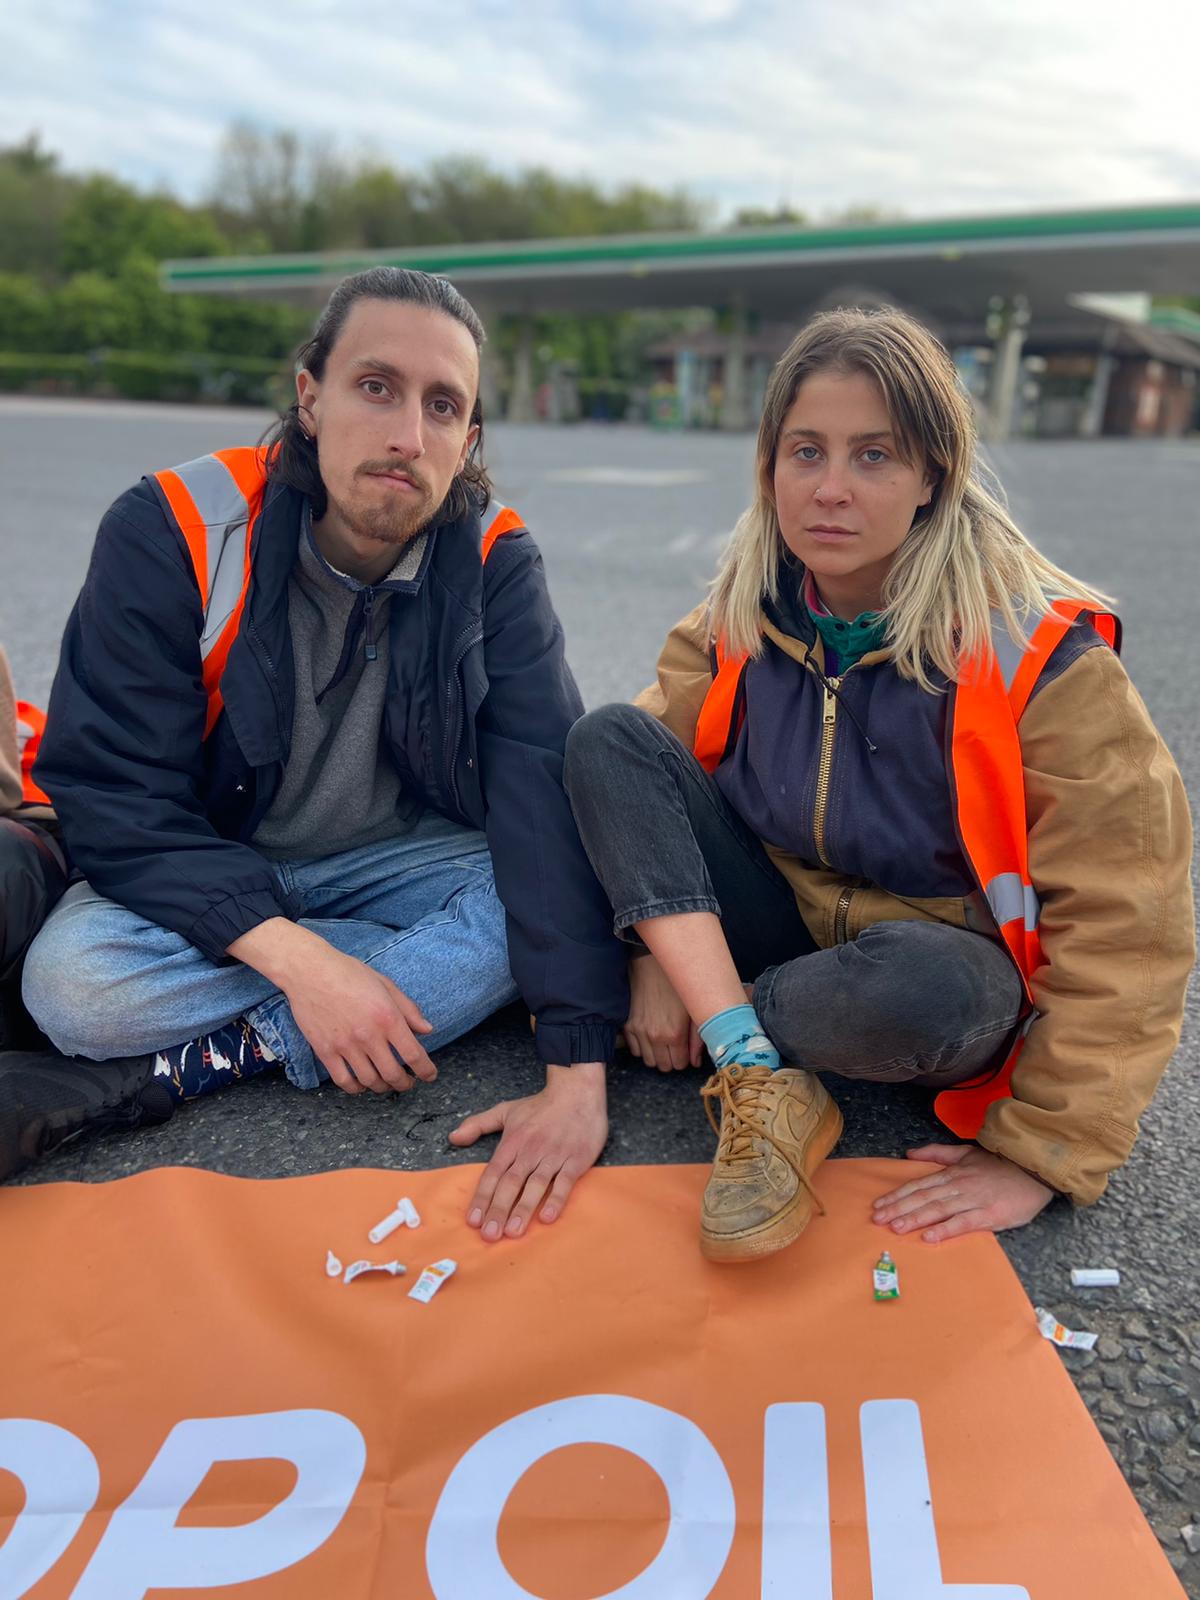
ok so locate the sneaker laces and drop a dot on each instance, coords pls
(741, 1092)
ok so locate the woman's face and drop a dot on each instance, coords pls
(845, 497)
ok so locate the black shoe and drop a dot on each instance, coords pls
(46, 1099)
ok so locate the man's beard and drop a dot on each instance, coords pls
(393, 519)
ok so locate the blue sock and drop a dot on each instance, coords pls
(224, 1056)
(737, 1035)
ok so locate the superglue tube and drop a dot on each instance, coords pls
(395, 1219)
(886, 1279)
(431, 1280)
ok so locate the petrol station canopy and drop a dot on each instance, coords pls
(947, 268)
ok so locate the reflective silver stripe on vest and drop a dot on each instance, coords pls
(488, 515)
(1009, 654)
(225, 513)
(1013, 901)
(24, 731)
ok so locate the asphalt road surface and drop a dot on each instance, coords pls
(631, 522)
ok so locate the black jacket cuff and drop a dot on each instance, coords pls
(561, 1044)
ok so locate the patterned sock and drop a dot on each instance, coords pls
(200, 1066)
(737, 1035)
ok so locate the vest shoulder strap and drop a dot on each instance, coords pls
(1020, 667)
(721, 715)
(31, 725)
(495, 521)
(215, 501)
(988, 775)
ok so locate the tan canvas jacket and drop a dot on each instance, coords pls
(10, 759)
(1109, 854)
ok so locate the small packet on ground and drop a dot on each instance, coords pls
(1050, 1328)
(357, 1268)
(431, 1280)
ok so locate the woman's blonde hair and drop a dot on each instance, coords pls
(963, 559)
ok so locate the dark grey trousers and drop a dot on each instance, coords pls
(918, 1002)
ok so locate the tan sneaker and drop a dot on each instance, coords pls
(775, 1129)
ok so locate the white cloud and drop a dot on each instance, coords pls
(924, 107)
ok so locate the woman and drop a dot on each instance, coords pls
(894, 774)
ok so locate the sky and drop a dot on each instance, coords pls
(924, 107)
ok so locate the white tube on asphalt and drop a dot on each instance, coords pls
(1095, 1277)
(1050, 1328)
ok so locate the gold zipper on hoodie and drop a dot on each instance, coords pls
(825, 769)
(841, 915)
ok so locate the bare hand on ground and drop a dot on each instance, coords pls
(659, 1029)
(548, 1141)
(974, 1192)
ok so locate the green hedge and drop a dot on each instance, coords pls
(140, 375)
(603, 399)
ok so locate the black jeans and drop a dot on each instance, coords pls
(919, 1002)
(33, 875)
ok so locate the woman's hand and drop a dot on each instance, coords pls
(974, 1192)
(659, 1029)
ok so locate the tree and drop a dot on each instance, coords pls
(764, 217)
(34, 194)
(260, 185)
(25, 313)
(107, 222)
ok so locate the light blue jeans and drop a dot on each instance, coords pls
(423, 910)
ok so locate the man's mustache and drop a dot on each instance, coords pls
(374, 469)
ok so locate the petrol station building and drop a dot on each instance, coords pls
(1050, 315)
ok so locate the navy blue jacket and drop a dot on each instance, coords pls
(891, 819)
(478, 706)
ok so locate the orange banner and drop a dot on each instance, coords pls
(189, 1402)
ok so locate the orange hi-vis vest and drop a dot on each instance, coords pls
(31, 725)
(216, 501)
(988, 787)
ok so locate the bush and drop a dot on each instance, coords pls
(33, 374)
(603, 399)
(145, 375)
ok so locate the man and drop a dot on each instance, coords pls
(306, 744)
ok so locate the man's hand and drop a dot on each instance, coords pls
(974, 1192)
(357, 1021)
(549, 1140)
(659, 1028)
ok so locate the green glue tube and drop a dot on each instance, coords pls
(887, 1279)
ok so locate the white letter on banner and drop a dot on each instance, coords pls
(143, 1549)
(461, 1553)
(797, 1559)
(905, 1564)
(61, 1481)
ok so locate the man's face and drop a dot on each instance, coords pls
(391, 420)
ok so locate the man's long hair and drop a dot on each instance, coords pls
(292, 450)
